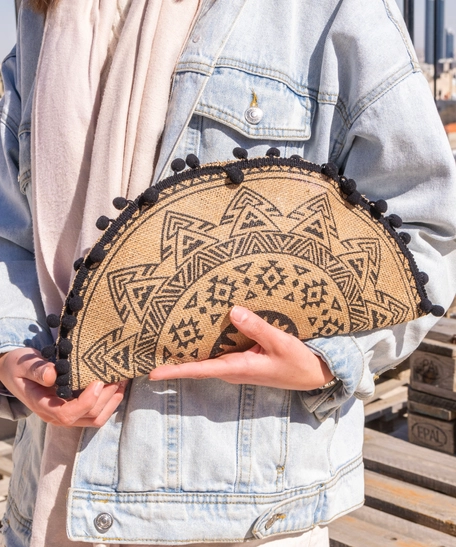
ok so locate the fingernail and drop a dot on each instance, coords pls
(238, 314)
(98, 389)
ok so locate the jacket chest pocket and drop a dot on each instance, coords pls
(255, 112)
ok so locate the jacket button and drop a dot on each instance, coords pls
(270, 523)
(253, 115)
(103, 522)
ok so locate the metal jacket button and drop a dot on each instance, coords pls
(274, 519)
(103, 522)
(253, 115)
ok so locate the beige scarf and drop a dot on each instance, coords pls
(101, 97)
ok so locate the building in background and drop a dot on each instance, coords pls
(429, 31)
(449, 44)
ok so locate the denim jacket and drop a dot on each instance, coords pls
(191, 461)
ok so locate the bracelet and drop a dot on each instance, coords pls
(331, 383)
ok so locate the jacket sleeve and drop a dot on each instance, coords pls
(397, 150)
(22, 321)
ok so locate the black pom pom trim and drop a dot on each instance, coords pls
(426, 305)
(53, 320)
(437, 311)
(97, 254)
(240, 153)
(423, 278)
(273, 153)
(354, 198)
(77, 263)
(381, 206)
(150, 196)
(62, 380)
(102, 222)
(178, 165)
(330, 170)
(406, 237)
(347, 185)
(395, 221)
(235, 175)
(75, 303)
(65, 347)
(64, 392)
(296, 157)
(69, 322)
(48, 352)
(192, 161)
(62, 366)
(119, 203)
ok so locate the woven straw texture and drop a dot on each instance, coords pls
(284, 243)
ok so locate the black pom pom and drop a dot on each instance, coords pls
(406, 238)
(62, 380)
(178, 165)
(426, 305)
(330, 169)
(62, 366)
(423, 278)
(150, 196)
(296, 157)
(381, 206)
(235, 175)
(75, 303)
(437, 311)
(65, 347)
(53, 320)
(77, 263)
(354, 198)
(273, 153)
(48, 352)
(395, 221)
(119, 203)
(347, 185)
(69, 322)
(64, 392)
(102, 223)
(240, 153)
(192, 161)
(97, 254)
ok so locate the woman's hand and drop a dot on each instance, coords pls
(277, 360)
(30, 378)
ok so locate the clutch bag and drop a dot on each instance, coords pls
(293, 241)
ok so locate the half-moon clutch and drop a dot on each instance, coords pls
(291, 240)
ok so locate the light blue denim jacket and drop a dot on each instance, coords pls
(188, 461)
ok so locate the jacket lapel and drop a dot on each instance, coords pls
(207, 40)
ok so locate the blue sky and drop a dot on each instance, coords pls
(7, 23)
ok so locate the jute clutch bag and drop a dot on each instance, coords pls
(288, 239)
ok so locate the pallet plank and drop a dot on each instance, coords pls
(417, 532)
(388, 406)
(349, 531)
(411, 502)
(414, 464)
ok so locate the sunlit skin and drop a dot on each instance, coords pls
(277, 360)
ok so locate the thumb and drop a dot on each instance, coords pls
(254, 327)
(42, 372)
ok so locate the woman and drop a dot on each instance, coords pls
(202, 455)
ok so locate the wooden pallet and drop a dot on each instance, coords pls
(389, 400)
(410, 498)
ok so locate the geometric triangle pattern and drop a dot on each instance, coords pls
(284, 242)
